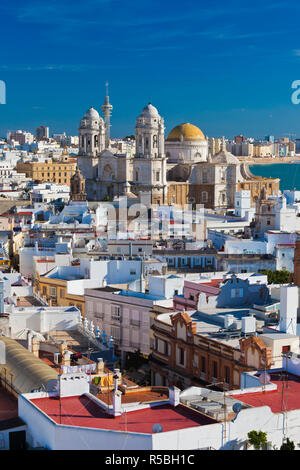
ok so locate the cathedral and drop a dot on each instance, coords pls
(164, 171)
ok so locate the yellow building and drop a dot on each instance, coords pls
(54, 292)
(262, 150)
(50, 171)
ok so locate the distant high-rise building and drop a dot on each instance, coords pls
(42, 132)
(20, 137)
(239, 139)
(269, 138)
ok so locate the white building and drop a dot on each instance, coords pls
(41, 319)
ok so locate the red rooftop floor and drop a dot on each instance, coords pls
(83, 412)
(285, 398)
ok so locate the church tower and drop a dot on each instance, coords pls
(91, 143)
(149, 164)
(77, 187)
(91, 134)
(106, 109)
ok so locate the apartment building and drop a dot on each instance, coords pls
(51, 171)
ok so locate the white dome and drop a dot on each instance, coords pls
(149, 111)
(92, 113)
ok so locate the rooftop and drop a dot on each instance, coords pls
(83, 412)
(285, 398)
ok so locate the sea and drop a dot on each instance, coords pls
(289, 173)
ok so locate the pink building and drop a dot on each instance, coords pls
(191, 292)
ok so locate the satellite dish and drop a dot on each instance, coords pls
(157, 428)
(264, 378)
(237, 407)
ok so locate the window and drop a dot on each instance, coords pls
(157, 176)
(203, 364)
(181, 356)
(191, 297)
(204, 196)
(44, 290)
(215, 370)
(227, 374)
(285, 349)
(204, 177)
(166, 348)
(53, 292)
(132, 272)
(236, 293)
(62, 293)
(116, 312)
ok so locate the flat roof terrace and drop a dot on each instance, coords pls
(81, 411)
(285, 398)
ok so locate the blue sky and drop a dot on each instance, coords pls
(224, 66)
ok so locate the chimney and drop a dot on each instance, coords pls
(119, 376)
(100, 366)
(62, 347)
(174, 396)
(29, 340)
(66, 358)
(35, 346)
(117, 403)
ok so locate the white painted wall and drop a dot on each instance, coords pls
(50, 318)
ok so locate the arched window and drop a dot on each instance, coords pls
(155, 141)
(136, 176)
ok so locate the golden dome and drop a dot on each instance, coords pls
(185, 132)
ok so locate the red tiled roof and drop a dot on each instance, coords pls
(83, 412)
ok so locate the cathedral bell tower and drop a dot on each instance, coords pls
(149, 165)
(77, 187)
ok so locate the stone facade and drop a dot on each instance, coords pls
(176, 170)
(184, 358)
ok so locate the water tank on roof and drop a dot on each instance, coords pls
(248, 324)
(228, 321)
